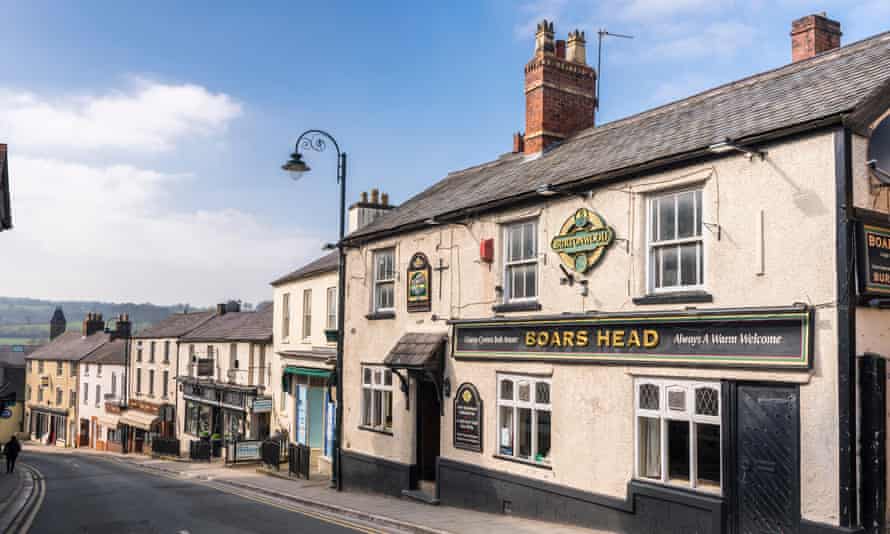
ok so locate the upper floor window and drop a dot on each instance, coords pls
(73, 368)
(58, 368)
(676, 250)
(58, 396)
(521, 261)
(98, 369)
(151, 352)
(285, 315)
(331, 317)
(307, 313)
(678, 432)
(40, 366)
(86, 393)
(138, 351)
(384, 280)
(86, 369)
(166, 352)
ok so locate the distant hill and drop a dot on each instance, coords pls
(26, 321)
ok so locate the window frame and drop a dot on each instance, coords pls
(509, 264)
(307, 314)
(285, 316)
(386, 391)
(516, 404)
(664, 414)
(652, 213)
(332, 302)
(379, 282)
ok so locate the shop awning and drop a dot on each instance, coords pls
(108, 420)
(417, 351)
(138, 419)
(306, 371)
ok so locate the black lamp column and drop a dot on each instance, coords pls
(317, 140)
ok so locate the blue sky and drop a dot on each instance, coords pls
(145, 138)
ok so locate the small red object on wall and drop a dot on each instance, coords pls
(486, 250)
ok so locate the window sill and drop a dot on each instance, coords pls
(375, 430)
(516, 307)
(679, 297)
(379, 316)
(529, 463)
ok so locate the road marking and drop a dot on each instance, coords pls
(40, 489)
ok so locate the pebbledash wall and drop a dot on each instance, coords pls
(592, 458)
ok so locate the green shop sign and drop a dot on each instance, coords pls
(582, 240)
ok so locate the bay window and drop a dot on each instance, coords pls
(521, 262)
(524, 415)
(678, 432)
(675, 250)
(377, 398)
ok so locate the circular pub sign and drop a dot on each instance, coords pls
(6, 414)
(582, 240)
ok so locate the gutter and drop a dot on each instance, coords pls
(606, 178)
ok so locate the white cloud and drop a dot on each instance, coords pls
(151, 117)
(718, 40)
(648, 10)
(87, 232)
(534, 12)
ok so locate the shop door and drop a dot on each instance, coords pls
(428, 422)
(768, 463)
(316, 417)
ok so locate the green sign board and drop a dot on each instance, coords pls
(582, 240)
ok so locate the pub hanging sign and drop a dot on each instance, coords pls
(582, 240)
(419, 289)
(874, 260)
(771, 338)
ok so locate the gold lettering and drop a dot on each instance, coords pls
(568, 339)
(543, 338)
(650, 338)
(602, 338)
(555, 340)
(530, 339)
(581, 338)
(633, 340)
(617, 338)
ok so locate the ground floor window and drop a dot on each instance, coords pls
(524, 415)
(678, 432)
(113, 435)
(197, 418)
(377, 398)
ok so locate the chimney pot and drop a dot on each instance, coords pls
(576, 49)
(384, 199)
(364, 197)
(812, 35)
(518, 143)
(221, 308)
(375, 196)
(544, 38)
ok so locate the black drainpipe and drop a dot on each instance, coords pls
(846, 329)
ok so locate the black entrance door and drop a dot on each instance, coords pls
(768, 462)
(428, 421)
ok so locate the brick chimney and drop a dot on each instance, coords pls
(812, 35)
(560, 90)
(363, 212)
(92, 323)
(123, 328)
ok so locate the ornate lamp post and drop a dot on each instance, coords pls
(317, 140)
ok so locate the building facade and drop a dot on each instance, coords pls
(225, 379)
(632, 326)
(102, 380)
(12, 390)
(151, 400)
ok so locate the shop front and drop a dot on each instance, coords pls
(223, 413)
(313, 412)
(49, 426)
(708, 446)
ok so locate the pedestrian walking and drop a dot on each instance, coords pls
(11, 450)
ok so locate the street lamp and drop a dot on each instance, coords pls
(317, 140)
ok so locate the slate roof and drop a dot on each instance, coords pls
(325, 264)
(824, 87)
(234, 326)
(113, 353)
(14, 355)
(415, 350)
(175, 325)
(69, 346)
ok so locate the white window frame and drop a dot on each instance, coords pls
(664, 414)
(332, 303)
(98, 394)
(285, 316)
(380, 282)
(377, 382)
(509, 264)
(652, 244)
(86, 393)
(307, 314)
(531, 404)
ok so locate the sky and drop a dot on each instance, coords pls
(146, 139)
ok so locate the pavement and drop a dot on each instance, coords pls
(378, 512)
(20, 496)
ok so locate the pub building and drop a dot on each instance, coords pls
(650, 325)
(222, 376)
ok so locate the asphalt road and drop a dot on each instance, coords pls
(91, 495)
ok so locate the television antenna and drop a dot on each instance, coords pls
(599, 60)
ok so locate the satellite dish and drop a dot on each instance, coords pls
(879, 151)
